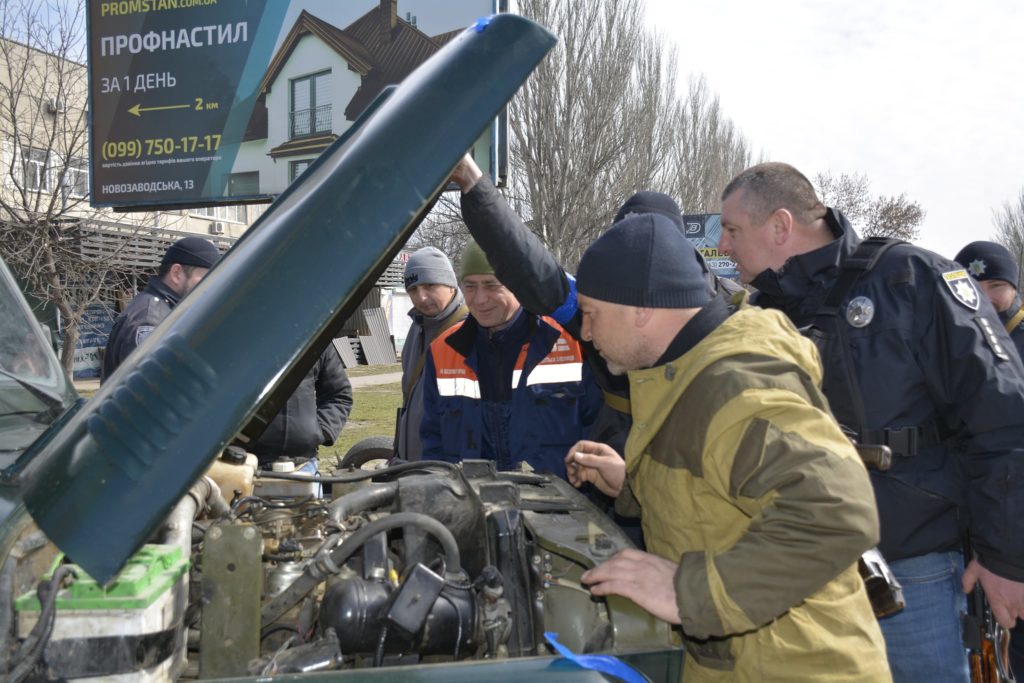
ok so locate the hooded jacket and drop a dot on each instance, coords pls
(939, 380)
(741, 475)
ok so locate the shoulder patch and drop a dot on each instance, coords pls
(142, 333)
(961, 285)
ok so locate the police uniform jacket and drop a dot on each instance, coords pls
(938, 381)
(147, 310)
(552, 399)
(313, 415)
(742, 476)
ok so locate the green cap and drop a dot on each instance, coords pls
(474, 261)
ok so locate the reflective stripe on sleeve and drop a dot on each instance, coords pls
(458, 386)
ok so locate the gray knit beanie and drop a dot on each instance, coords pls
(429, 266)
(643, 260)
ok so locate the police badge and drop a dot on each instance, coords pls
(142, 333)
(860, 311)
(962, 287)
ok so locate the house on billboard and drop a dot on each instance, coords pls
(317, 83)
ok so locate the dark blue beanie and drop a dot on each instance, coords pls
(989, 261)
(651, 202)
(192, 251)
(643, 260)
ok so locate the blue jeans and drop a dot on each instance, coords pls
(924, 642)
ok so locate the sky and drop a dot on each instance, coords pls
(924, 98)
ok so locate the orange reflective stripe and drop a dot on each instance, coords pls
(563, 363)
(453, 376)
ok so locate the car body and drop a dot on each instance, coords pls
(144, 569)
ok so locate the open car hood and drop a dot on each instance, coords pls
(257, 322)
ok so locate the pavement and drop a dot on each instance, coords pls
(91, 386)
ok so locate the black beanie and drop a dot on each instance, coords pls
(192, 251)
(651, 202)
(989, 261)
(644, 261)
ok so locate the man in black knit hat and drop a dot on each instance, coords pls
(997, 275)
(754, 505)
(184, 264)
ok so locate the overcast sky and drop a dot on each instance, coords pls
(924, 98)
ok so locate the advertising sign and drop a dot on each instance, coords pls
(204, 101)
(705, 230)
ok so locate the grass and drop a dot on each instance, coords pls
(364, 370)
(373, 414)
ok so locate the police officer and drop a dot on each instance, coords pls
(914, 361)
(184, 264)
(997, 274)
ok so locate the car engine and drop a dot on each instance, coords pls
(414, 563)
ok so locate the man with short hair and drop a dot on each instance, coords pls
(184, 264)
(754, 505)
(504, 385)
(914, 362)
(991, 264)
(437, 306)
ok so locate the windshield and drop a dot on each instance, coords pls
(31, 381)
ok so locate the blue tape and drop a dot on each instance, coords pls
(482, 23)
(564, 313)
(605, 664)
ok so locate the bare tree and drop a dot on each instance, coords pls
(599, 120)
(1009, 223)
(47, 227)
(879, 216)
(589, 127)
(708, 151)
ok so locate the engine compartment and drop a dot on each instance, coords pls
(416, 563)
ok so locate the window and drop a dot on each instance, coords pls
(76, 178)
(234, 214)
(37, 175)
(297, 167)
(244, 184)
(311, 105)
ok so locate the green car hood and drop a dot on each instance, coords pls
(254, 326)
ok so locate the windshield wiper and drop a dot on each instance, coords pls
(53, 402)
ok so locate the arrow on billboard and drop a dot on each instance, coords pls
(138, 108)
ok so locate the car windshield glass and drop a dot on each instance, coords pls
(30, 379)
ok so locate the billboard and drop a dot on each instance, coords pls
(705, 230)
(202, 101)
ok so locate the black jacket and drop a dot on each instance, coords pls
(147, 310)
(314, 414)
(934, 365)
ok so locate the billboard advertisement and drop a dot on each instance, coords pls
(705, 230)
(203, 101)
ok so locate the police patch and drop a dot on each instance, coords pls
(142, 333)
(962, 288)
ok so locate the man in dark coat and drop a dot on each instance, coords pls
(184, 264)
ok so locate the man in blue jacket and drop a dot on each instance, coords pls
(504, 385)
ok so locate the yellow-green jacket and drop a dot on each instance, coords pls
(742, 476)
